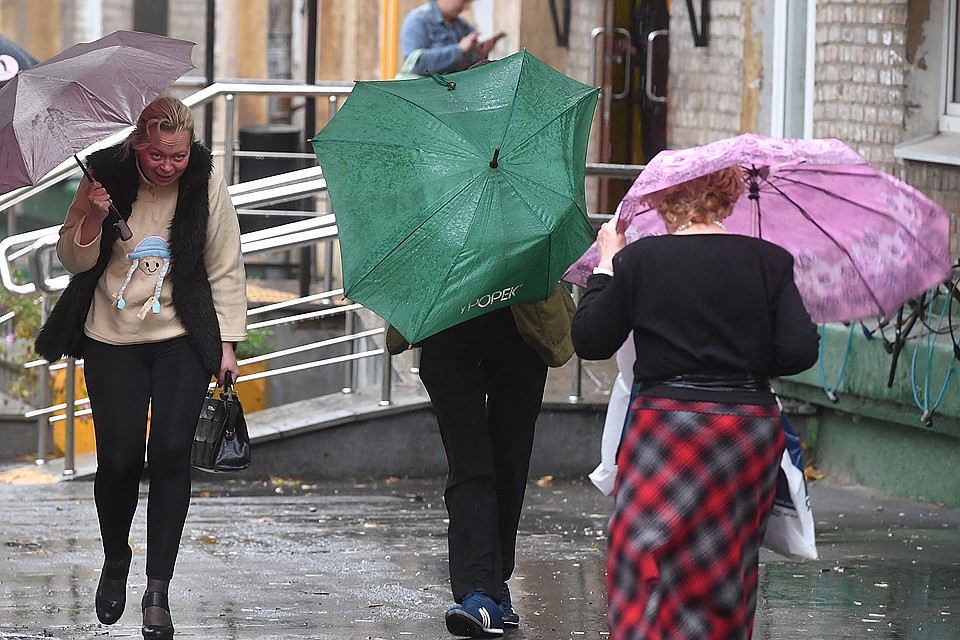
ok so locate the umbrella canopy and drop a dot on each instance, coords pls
(459, 195)
(13, 59)
(79, 97)
(863, 241)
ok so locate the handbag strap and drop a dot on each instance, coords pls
(231, 402)
(232, 405)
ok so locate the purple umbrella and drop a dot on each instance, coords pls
(863, 241)
(79, 97)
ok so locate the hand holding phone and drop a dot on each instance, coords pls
(484, 47)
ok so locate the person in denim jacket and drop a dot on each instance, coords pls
(445, 42)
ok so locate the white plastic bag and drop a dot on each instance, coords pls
(605, 475)
(790, 530)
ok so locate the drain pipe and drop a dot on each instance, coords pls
(606, 97)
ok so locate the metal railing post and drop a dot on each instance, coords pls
(348, 376)
(328, 246)
(69, 447)
(386, 382)
(328, 265)
(43, 425)
(229, 136)
(576, 380)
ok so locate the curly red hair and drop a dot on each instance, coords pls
(703, 200)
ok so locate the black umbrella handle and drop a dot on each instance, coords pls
(122, 227)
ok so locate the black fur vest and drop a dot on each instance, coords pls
(62, 334)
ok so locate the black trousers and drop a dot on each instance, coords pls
(123, 382)
(486, 386)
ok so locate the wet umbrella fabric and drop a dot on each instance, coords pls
(81, 96)
(863, 241)
(453, 201)
(13, 59)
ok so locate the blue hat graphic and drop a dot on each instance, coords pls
(151, 246)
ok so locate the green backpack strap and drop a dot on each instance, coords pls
(406, 71)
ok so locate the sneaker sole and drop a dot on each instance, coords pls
(460, 623)
(511, 623)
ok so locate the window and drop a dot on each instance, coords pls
(150, 16)
(792, 88)
(951, 90)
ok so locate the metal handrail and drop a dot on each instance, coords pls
(246, 196)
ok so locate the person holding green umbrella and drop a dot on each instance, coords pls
(485, 378)
(460, 203)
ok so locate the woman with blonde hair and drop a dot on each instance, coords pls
(714, 316)
(154, 316)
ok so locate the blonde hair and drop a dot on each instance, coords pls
(165, 113)
(706, 199)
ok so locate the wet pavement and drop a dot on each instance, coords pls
(287, 559)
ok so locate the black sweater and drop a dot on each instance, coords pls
(710, 303)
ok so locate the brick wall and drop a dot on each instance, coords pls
(705, 82)
(941, 183)
(860, 83)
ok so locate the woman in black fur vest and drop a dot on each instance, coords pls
(154, 317)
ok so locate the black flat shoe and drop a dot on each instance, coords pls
(156, 631)
(109, 610)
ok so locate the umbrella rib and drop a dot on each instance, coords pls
(829, 236)
(847, 200)
(556, 117)
(413, 232)
(507, 175)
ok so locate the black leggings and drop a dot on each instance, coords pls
(121, 381)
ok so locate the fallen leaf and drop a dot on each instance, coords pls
(812, 473)
(545, 481)
(27, 475)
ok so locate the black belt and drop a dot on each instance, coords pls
(712, 382)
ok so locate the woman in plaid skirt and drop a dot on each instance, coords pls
(714, 316)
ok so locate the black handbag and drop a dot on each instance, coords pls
(221, 442)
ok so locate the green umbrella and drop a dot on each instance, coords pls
(461, 194)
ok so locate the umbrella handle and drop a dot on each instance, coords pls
(122, 227)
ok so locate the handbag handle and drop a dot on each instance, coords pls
(227, 391)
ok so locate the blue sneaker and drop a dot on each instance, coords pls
(478, 616)
(510, 617)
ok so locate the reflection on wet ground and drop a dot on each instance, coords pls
(286, 559)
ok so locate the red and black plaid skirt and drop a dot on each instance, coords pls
(695, 485)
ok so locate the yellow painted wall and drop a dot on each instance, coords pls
(33, 24)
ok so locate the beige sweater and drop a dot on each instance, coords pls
(126, 308)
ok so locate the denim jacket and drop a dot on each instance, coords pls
(424, 28)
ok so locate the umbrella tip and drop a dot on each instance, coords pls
(496, 155)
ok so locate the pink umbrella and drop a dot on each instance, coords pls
(79, 97)
(863, 241)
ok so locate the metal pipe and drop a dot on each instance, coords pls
(229, 137)
(43, 426)
(332, 105)
(348, 383)
(386, 375)
(576, 380)
(606, 97)
(209, 70)
(310, 71)
(69, 444)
